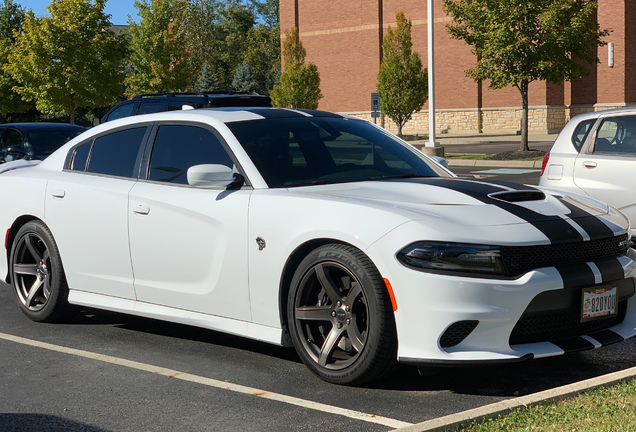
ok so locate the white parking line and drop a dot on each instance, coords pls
(392, 423)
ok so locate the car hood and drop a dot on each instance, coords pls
(478, 203)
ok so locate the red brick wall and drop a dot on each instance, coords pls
(611, 81)
(630, 51)
(342, 39)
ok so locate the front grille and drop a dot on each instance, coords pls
(457, 332)
(521, 259)
(555, 325)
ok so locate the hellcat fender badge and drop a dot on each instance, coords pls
(261, 243)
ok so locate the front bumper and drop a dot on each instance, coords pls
(498, 321)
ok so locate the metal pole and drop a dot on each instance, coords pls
(430, 18)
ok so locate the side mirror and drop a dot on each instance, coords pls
(210, 175)
(440, 160)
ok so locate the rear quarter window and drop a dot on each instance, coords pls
(581, 132)
(116, 153)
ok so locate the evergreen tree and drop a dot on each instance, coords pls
(244, 80)
(207, 81)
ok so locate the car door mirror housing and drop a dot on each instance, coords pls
(210, 175)
(440, 160)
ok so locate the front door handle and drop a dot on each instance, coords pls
(141, 209)
(58, 193)
(589, 164)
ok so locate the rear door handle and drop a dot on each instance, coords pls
(141, 209)
(589, 164)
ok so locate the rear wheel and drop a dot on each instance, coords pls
(37, 274)
(340, 316)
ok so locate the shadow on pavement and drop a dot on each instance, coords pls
(509, 380)
(42, 423)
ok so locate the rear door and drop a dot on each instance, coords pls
(87, 212)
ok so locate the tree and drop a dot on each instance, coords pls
(160, 53)
(299, 83)
(262, 55)
(244, 79)
(207, 80)
(517, 42)
(236, 21)
(402, 82)
(69, 60)
(11, 17)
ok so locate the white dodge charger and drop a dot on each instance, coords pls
(315, 230)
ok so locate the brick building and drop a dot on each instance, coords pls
(344, 40)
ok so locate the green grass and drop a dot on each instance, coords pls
(608, 409)
(470, 156)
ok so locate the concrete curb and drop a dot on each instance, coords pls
(494, 163)
(454, 421)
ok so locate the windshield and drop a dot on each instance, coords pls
(44, 142)
(317, 150)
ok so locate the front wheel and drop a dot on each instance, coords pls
(340, 316)
(37, 274)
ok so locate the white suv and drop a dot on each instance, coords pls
(595, 155)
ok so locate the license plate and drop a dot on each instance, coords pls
(598, 303)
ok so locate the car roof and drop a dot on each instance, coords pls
(224, 115)
(211, 95)
(41, 125)
(597, 114)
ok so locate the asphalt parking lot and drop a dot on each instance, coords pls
(112, 372)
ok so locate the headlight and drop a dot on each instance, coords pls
(453, 257)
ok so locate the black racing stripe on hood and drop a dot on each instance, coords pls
(576, 275)
(556, 229)
(594, 226)
(611, 270)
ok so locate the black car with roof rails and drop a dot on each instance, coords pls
(34, 140)
(158, 102)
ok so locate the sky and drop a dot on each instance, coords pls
(118, 9)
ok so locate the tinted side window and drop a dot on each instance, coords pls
(121, 112)
(80, 157)
(116, 153)
(150, 107)
(581, 132)
(178, 147)
(617, 136)
(13, 137)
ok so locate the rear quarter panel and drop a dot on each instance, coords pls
(22, 194)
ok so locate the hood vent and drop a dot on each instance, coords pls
(518, 196)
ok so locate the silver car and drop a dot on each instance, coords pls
(595, 155)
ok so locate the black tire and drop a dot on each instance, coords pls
(340, 316)
(37, 275)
